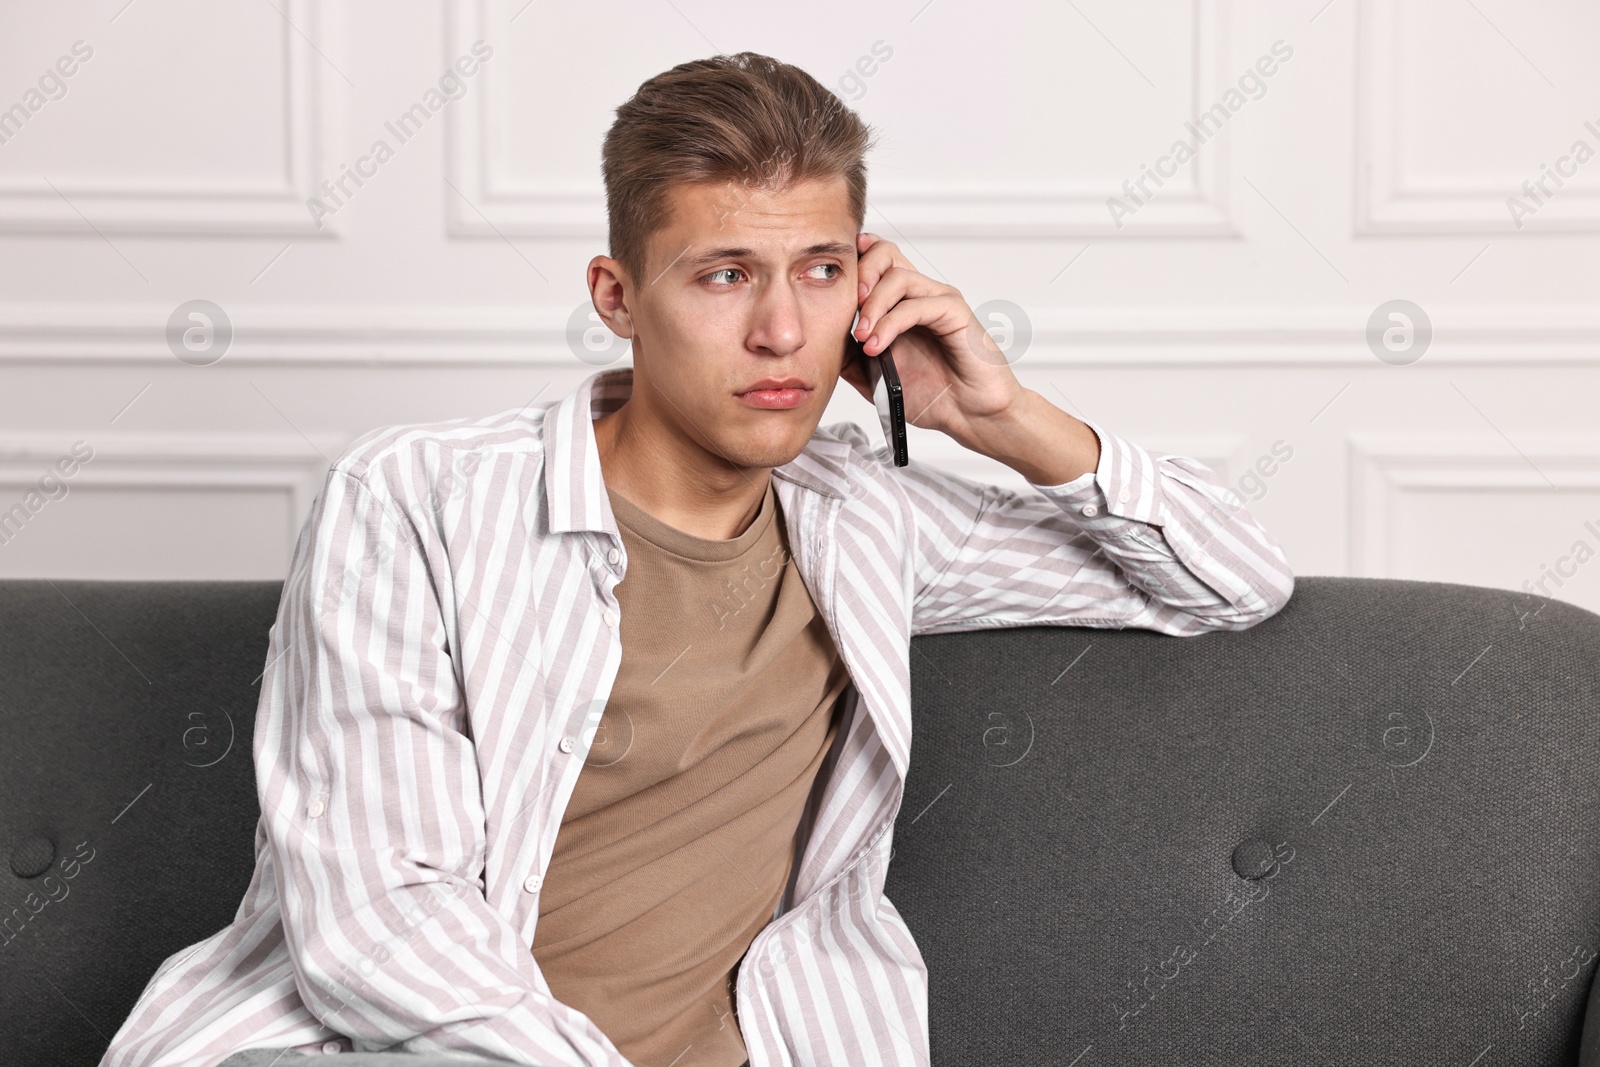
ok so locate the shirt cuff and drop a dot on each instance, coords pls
(1122, 493)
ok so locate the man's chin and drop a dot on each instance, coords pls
(750, 454)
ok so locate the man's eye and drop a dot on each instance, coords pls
(725, 270)
(831, 266)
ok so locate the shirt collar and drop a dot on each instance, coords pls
(575, 492)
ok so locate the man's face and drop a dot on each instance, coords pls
(745, 287)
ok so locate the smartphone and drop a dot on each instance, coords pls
(886, 394)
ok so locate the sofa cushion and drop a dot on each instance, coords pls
(1365, 831)
(125, 754)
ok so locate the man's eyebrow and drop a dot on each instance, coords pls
(837, 248)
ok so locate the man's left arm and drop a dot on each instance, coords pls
(1118, 538)
(1134, 540)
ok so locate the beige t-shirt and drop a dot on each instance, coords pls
(678, 840)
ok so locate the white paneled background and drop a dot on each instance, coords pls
(1226, 315)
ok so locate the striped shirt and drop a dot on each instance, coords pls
(447, 638)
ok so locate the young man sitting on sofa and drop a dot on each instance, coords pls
(585, 725)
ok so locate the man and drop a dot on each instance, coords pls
(585, 726)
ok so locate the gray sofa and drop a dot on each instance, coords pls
(1366, 831)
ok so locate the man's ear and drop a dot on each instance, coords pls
(609, 286)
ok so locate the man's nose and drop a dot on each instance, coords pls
(778, 326)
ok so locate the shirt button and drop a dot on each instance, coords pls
(613, 557)
(1089, 509)
(1122, 497)
(533, 883)
(610, 618)
(566, 744)
(1199, 557)
(315, 808)
(332, 1046)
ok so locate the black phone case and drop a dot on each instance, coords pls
(882, 366)
(897, 406)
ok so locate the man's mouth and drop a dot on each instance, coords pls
(776, 394)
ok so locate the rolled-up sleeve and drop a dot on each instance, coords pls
(1151, 542)
(373, 810)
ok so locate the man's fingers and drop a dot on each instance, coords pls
(899, 285)
(887, 290)
(937, 312)
(878, 259)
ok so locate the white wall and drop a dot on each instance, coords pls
(1224, 315)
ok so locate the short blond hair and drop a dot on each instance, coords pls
(747, 119)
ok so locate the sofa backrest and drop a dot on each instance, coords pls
(1365, 830)
(127, 793)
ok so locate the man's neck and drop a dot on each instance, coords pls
(671, 479)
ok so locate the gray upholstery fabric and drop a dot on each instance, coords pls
(107, 688)
(1408, 768)
(1424, 754)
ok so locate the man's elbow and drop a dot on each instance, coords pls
(1259, 605)
(1270, 589)
(1265, 602)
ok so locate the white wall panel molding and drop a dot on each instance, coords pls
(1385, 467)
(457, 336)
(1389, 200)
(180, 462)
(166, 522)
(274, 204)
(990, 209)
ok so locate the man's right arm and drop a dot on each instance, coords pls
(369, 786)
